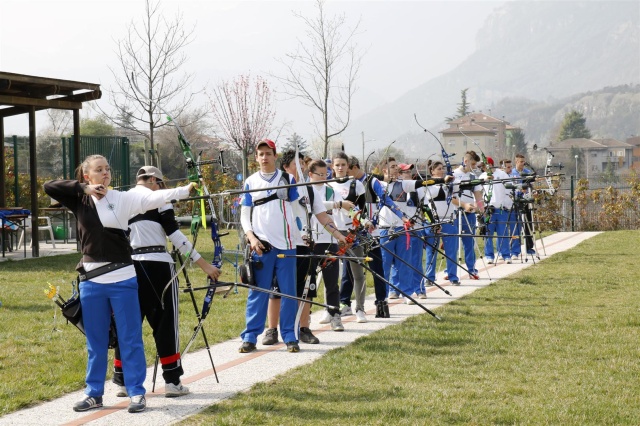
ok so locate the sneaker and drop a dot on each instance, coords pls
(360, 316)
(270, 336)
(325, 318)
(293, 347)
(408, 301)
(455, 282)
(509, 260)
(474, 276)
(122, 391)
(491, 260)
(393, 295)
(88, 403)
(446, 277)
(345, 310)
(138, 403)
(247, 347)
(336, 323)
(171, 390)
(306, 336)
(515, 257)
(422, 296)
(531, 252)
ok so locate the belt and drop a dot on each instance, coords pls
(110, 267)
(150, 249)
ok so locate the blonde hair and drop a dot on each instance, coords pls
(84, 166)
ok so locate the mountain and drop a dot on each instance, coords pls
(531, 52)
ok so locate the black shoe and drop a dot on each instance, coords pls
(270, 337)
(385, 309)
(379, 309)
(88, 403)
(306, 336)
(293, 347)
(247, 347)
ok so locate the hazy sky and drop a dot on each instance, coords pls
(407, 42)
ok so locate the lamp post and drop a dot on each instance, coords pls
(363, 141)
(576, 157)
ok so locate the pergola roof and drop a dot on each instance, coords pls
(19, 91)
(26, 94)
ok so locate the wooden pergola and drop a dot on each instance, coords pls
(26, 94)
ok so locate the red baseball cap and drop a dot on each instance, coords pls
(404, 167)
(268, 142)
(490, 160)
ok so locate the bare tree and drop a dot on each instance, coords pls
(243, 112)
(152, 51)
(59, 120)
(323, 70)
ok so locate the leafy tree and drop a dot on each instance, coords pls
(303, 146)
(99, 126)
(518, 142)
(463, 106)
(574, 126)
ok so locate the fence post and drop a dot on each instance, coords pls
(573, 205)
(16, 194)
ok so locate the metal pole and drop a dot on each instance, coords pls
(576, 166)
(16, 194)
(573, 205)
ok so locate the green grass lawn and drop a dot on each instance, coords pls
(556, 344)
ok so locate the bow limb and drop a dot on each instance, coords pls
(310, 277)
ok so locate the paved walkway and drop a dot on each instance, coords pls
(238, 372)
(46, 249)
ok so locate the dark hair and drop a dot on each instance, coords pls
(519, 155)
(315, 164)
(288, 156)
(341, 155)
(505, 161)
(472, 156)
(386, 161)
(435, 164)
(354, 162)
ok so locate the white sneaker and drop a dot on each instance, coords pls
(171, 390)
(409, 301)
(138, 403)
(345, 310)
(422, 296)
(491, 261)
(122, 391)
(393, 295)
(360, 316)
(325, 318)
(336, 323)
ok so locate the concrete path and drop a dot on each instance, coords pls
(238, 372)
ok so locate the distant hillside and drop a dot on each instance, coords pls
(613, 112)
(529, 55)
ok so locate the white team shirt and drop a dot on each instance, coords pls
(148, 233)
(114, 211)
(273, 221)
(341, 191)
(499, 194)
